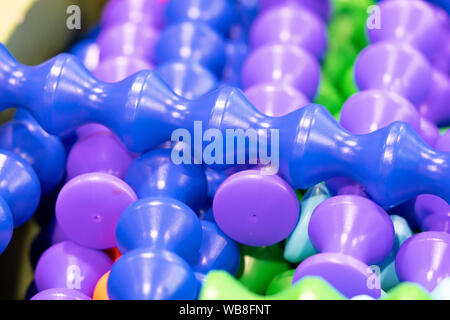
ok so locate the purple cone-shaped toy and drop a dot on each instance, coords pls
(351, 232)
(425, 259)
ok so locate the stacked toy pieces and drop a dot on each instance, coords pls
(198, 166)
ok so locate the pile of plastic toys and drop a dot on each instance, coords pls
(236, 149)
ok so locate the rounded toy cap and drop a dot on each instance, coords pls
(90, 129)
(290, 24)
(218, 14)
(412, 22)
(193, 41)
(436, 107)
(349, 276)
(154, 174)
(424, 259)
(189, 80)
(274, 100)
(354, 226)
(26, 138)
(217, 251)
(159, 223)
(145, 274)
(320, 7)
(60, 294)
(88, 208)
(118, 68)
(394, 67)
(432, 213)
(370, 110)
(101, 152)
(20, 187)
(148, 13)
(256, 209)
(6, 225)
(282, 65)
(71, 266)
(128, 39)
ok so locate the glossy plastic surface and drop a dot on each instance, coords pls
(298, 246)
(219, 14)
(71, 266)
(44, 152)
(89, 206)
(256, 209)
(220, 285)
(424, 259)
(383, 161)
(60, 294)
(154, 174)
(159, 223)
(351, 232)
(98, 152)
(20, 187)
(146, 274)
(217, 251)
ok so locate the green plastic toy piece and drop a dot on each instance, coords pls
(328, 96)
(349, 28)
(348, 86)
(259, 265)
(220, 285)
(281, 282)
(407, 291)
(339, 58)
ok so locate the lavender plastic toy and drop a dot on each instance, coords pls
(351, 232)
(425, 259)
(71, 266)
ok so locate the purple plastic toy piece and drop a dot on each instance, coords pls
(320, 7)
(71, 266)
(425, 259)
(411, 22)
(351, 232)
(256, 209)
(101, 152)
(89, 206)
(394, 67)
(60, 294)
(290, 24)
(141, 12)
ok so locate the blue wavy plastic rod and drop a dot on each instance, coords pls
(393, 163)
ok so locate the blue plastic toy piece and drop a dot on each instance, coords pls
(151, 274)
(154, 174)
(6, 225)
(44, 152)
(187, 79)
(217, 251)
(298, 246)
(193, 41)
(159, 223)
(388, 276)
(144, 112)
(218, 14)
(20, 188)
